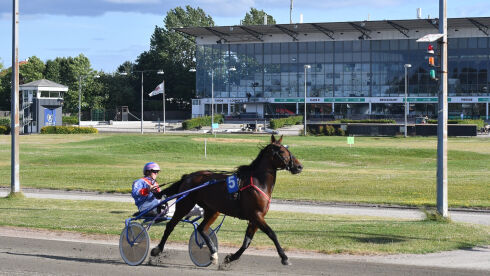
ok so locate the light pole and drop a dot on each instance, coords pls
(160, 72)
(406, 88)
(163, 99)
(307, 66)
(212, 100)
(80, 79)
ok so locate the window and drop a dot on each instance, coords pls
(51, 94)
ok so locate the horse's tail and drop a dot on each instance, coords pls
(174, 188)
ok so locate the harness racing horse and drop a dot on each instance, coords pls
(257, 183)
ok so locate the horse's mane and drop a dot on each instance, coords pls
(246, 170)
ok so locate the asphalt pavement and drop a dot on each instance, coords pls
(476, 259)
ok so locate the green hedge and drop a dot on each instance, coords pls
(67, 130)
(4, 121)
(325, 130)
(70, 120)
(4, 125)
(480, 123)
(288, 121)
(199, 122)
(4, 130)
(369, 121)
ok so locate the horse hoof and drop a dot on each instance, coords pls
(214, 258)
(285, 262)
(228, 259)
(155, 251)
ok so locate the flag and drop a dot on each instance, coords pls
(158, 90)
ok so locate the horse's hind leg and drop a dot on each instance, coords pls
(266, 229)
(249, 234)
(209, 218)
(181, 210)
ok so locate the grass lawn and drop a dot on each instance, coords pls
(320, 233)
(374, 170)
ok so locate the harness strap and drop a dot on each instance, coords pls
(258, 189)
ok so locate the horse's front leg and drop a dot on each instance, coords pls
(266, 229)
(249, 234)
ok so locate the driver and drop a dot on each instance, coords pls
(147, 193)
(146, 189)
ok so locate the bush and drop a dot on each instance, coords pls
(70, 120)
(480, 123)
(288, 121)
(201, 121)
(4, 130)
(4, 125)
(4, 121)
(369, 121)
(329, 131)
(340, 132)
(68, 130)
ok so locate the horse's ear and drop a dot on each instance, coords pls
(280, 140)
(273, 139)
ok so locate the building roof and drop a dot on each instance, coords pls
(239, 33)
(43, 84)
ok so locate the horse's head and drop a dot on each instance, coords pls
(283, 158)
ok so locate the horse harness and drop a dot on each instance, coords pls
(252, 185)
(288, 164)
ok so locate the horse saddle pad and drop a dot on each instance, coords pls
(232, 184)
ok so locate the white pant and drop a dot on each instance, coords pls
(196, 211)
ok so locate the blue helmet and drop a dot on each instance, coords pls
(151, 166)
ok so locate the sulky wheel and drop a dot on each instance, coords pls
(134, 244)
(198, 250)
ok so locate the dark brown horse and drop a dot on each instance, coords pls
(257, 182)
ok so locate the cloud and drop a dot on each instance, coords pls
(100, 7)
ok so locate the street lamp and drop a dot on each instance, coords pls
(406, 88)
(307, 66)
(159, 72)
(80, 79)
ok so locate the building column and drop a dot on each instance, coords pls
(487, 111)
(297, 108)
(229, 109)
(370, 109)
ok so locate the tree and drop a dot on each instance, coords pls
(256, 17)
(174, 52)
(70, 71)
(5, 88)
(1, 65)
(32, 70)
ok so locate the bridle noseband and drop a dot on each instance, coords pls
(288, 165)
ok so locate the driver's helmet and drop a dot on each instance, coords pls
(151, 166)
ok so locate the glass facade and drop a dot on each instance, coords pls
(345, 78)
(360, 68)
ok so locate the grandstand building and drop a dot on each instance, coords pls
(352, 69)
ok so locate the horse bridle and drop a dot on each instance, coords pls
(288, 165)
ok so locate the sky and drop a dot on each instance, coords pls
(110, 32)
